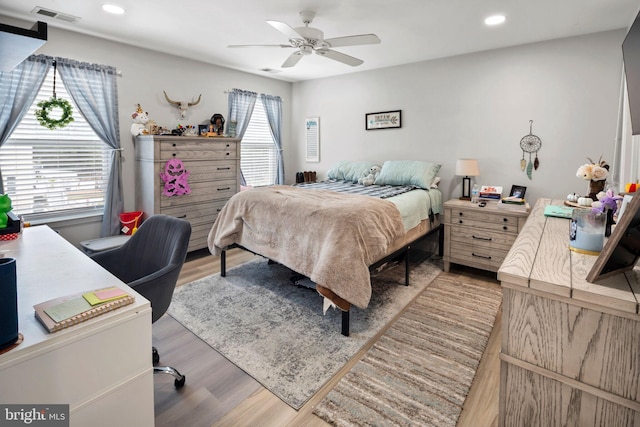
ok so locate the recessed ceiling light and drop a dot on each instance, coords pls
(495, 20)
(112, 8)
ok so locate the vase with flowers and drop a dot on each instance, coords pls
(596, 174)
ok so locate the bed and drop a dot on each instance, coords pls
(335, 232)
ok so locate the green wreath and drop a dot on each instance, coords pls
(45, 108)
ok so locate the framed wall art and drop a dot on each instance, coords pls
(383, 120)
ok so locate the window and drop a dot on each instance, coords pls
(258, 155)
(55, 173)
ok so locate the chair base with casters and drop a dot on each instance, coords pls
(179, 378)
(150, 262)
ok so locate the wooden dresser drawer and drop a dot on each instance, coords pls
(201, 192)
(481, 238)
(198, 150)
(200, 213)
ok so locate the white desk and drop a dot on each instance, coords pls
(101, 367)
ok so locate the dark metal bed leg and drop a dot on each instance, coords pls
(345, 323)
(441, 240)
(406, 266)
(223, 263)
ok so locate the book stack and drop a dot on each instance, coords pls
(489, 192)
(514, 203)
(60, 313)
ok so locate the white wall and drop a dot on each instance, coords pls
(476, 106)
(145, 74)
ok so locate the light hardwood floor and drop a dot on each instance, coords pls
(217, 393)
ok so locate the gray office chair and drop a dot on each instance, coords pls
(150, 262)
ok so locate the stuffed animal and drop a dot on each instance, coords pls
(371, 177)
(5, 207)
(140, 120)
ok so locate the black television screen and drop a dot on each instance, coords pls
(631, 56)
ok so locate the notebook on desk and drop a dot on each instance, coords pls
(558, 211)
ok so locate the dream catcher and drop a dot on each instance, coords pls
(530, 144)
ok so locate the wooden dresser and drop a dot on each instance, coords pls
(570, 353)
(214, 176)
(477, 236)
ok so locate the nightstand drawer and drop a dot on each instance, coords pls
(478, 237)
(505, 223)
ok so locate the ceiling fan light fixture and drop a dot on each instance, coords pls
(495, 20)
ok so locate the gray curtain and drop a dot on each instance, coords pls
(241, 103)
(273, 108)
(18, 89)
(94, 90)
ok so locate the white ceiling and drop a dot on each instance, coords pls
(410, 30)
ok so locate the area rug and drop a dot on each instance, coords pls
(420, 370)
(276, 331)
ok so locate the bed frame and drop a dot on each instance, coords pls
(404, 250)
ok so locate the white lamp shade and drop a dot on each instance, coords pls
(467, 167)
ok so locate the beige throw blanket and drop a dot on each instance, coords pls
(329, 237)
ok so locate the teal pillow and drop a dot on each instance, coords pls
(408, 172)
(346, 170)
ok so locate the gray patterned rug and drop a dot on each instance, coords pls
(276, 332)
(420, 370)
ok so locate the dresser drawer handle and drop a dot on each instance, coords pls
(218, 210)
(505, 219)
(223, 189)
(227, 154)
(460, 222)
(482, 238)
(480, 256)
(173, 154)
(505, 228)
(174, 144)
(224, 169)
(460, 213)
(182, 216)
(228, 145)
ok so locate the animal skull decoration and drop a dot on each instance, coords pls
(182, 106)
(175, 178)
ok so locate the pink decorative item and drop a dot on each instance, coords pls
(175, 178)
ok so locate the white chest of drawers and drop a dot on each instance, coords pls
(214, 176)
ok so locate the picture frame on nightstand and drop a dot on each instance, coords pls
(517, 191)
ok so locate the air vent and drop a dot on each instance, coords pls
(270, 70)
(53, 14)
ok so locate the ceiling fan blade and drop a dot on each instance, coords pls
(340, 57)
(353, 40)
(286, 30)
(292, 59)
(259, 45)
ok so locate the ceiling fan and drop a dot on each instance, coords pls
(308, 39)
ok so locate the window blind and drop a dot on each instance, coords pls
(54, 173)
(258, 151)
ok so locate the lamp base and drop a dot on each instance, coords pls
(466, 188)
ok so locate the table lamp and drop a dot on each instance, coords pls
(467, 168)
